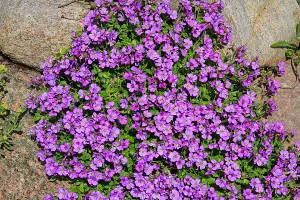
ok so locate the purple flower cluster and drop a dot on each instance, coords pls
(81, 133)
(272, 107)
(54, 101)
(194, 135)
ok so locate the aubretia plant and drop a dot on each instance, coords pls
(143, 106)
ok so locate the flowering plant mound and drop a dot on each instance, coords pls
(143, 106)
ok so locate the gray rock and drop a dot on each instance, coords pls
(31, 31)
(260, 23)
(174, 4)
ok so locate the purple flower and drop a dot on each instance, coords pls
(143, 100)
(260, 160)
(281, 68)
(152, 54)
(174, 194)
(174, 156)
(273, 86)
(48, 197)
(223, 132)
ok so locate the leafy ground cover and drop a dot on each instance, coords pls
(143, 106)
(10, 119)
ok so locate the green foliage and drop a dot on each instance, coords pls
(298, 31)
(9, 120)
(112, 88)
(293, 50)
(283, 44)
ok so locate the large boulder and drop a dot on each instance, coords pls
(260, 23)
(33, 30)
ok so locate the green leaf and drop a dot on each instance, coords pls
(297, 61)
(298, 31)
(81, 187)
(76, 97)
(63, 83)
(19, 110)
(52, 179)
(245, 181)
(215, 175)
(112, 90)
(242, 181)
(134, 42)
(154, 111)
(78, 33)
(103, 94)
(4, 105)
(8, 146)
(289, 53)
(125, 93)
(63, 51)
(37, 117)
(104, 74)
(73, 188)
(3, 68)
(208, 181)
(93, 5)
(283, 44)
(123, 173)
(17, 129)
